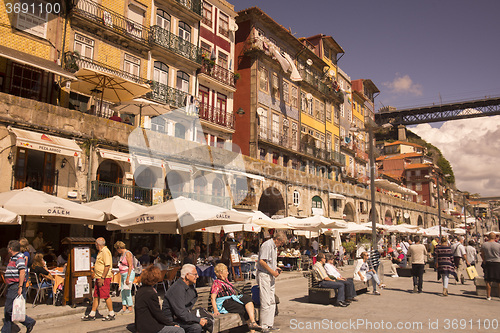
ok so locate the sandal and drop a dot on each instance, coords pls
(108, 318)
(376, 292)
(88, 318)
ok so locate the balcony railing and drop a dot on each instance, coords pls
(194, 5)
(360, 154)
(218, 72)
(244, 198)
(174, 43)
(73, 62)
(168, 95)
(313, 151)
(275, 137)
(216, 116)
(102, 190)
(111, 20)
(338, 157)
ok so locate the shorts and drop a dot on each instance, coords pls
(102, 292)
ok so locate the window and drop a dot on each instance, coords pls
(303, 102)
(295, 96)
(275, 158)
(33, 21)
(342, 110)
(317, 110)
(295, 129)
(262, 122)
(284, 136)
(349, 114)
(84, 46)
(135, 15)
(418, 187)
(180, 131)
(296, 198)
(262, 154)
(276, 128)
(276, 86)
(222, 60)
(163, 19)
(182, 81)
(184, 31)
(207, 14)
(322, 111)
(286, 159)
(286, 91)
(335, 204)
(328, 112)
(264, 79)
(132, 65)
(160, 73)
(158, 124)
(223, 24)
(222, 104)
(317, 202)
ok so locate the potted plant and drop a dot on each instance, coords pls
(350, 249)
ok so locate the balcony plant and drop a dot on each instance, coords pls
(71, 64)
(350, 250)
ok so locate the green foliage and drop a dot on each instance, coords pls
(349, 247)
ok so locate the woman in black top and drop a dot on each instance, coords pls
(148, 315)
(39, 266)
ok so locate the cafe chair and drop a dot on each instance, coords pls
(3, 287)
(162, 281)
(40, 291)
(171, 275)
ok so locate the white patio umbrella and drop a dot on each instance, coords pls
(180, 215)
(248, 227)
(141, 107)
(458, 231)
(354, 228)
(325, 222)
(378, 225)
(115, 207)
(8, 217)
(262, 220)
(403, 229)
(38, 206)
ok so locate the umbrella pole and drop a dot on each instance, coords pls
(140, 116)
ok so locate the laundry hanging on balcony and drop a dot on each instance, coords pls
(192, 105)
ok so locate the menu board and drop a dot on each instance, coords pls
(233, 250)
(81, 259)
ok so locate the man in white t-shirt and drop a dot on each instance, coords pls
(333, 273)
(460, 257)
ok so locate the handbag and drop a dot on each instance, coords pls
(472, 272)
(19, 309)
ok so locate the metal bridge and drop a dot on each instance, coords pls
(443, 112)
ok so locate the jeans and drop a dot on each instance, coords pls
(9, 300)
(171, 329)
(417, 271)
(374, 277)
(335, 285)
(127, 293)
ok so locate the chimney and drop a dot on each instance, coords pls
(402, 133)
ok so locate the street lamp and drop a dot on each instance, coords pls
(439, 200)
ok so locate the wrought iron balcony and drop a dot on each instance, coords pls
(110, 20)
(315, 152)
(275, 137)
(73, 62)
(338, 158)
(217, 72)
(102, 190)
(194, 5)
(167, 40)
(216, 116)
(243, 198)
(168, 95)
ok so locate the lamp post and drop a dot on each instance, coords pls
(439, 201)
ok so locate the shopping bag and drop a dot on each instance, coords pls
(471, 271)
(19, 309)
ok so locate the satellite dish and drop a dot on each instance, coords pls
(234, 27)
(309, 62)
(309, 96)
(406, 215)
(331, 73)
(347, 139)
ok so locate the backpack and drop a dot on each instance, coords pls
(137, 266)
(58, 298)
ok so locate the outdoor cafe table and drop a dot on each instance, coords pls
(288, 261)
(58, 275)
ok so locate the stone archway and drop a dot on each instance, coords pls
(388, 217)
(271, 202)
(349, 214)
(377, 216)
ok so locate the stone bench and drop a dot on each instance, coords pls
(481, 287)
(404, 272)
(327, 296)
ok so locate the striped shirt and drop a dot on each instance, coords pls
(374, 259)
(15, 264)
(222, 288)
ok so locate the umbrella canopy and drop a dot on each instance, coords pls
(301, 224)
(458, 231)
(178, 215)
(8, 217)
(377, 225)
(262, 220)
(39, 206)
(434, 231)
(111, 88)
(141, 107)
(325, 222)
(248, 227)
(354, 228)
(115, 207)
(402, 228)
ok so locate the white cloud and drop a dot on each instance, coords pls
(404, 85)
(472, 146)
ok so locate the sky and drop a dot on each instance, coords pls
(417, 53)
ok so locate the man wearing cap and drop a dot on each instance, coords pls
(399, 260)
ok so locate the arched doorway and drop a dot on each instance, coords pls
(109, 171)
(218, 197)
(174, 185)
(420, 221)
(271, 202)
(377, 217)
(388, 218)
(317, 205)
(199, 190)
(349, 214)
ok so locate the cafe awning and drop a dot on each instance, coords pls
(45, 142)
(114, 155)
(336, 196)
(31, 60)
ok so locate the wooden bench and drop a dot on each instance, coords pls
(481, 287)
(225, 321)
(327, 296)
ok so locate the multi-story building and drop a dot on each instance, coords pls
(217, 80)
